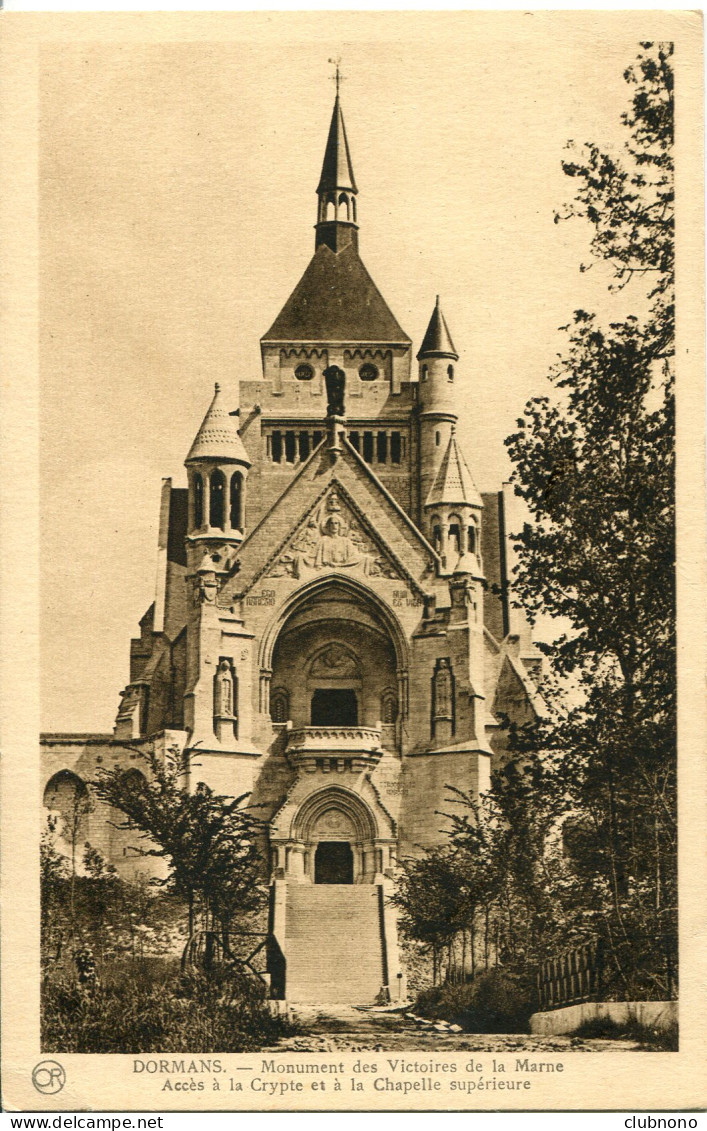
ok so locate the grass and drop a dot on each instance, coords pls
(145, 1005)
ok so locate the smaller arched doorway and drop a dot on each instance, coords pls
(66, 797)
(334, 840)
(332, 836)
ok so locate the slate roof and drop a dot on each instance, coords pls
(337, 170)
(336, 300)
(437, 339)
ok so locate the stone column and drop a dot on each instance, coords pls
(359, 866)
(264, 696)
(403, 696)
(295, 865)
(444, 541)
(368, 859)
(279, 860)
(463, 533)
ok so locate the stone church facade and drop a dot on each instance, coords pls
(332, 631)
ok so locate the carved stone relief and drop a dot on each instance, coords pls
(334, 824)
(331, 539)
(335, 662)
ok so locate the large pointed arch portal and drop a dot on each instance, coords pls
(335, 655)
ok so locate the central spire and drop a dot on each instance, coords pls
(336, 215)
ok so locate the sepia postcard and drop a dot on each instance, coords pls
(353, 561)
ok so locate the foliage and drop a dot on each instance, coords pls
(208, 841)
(595, 466)
(630, 203)
(145, 1005)
(496, 1001)
(577, 838)
(650, 1039)
(99, 911)
(111, 971)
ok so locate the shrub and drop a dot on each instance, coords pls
(494, 1002)
(649, 1038)
(146, 1005)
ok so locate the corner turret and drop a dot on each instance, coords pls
(452, 518)
(437, 359)
(217, 468)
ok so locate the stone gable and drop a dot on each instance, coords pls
(336, 516)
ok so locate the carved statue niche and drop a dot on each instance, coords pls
(335, 379)
(442, 698)
(224, 691)
(279, 705)
(389, 707)
(225, 702)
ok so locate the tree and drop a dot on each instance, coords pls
(631, 203)
(54, 876)
(483, 899)
(208, 841)
(430, 901)
(594, 462)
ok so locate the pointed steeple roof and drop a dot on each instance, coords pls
(218, 437)
(337, 170)
(437, 341)
(453, 482)
(336, 300)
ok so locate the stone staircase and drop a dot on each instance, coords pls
(334, 947)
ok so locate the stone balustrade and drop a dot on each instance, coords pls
(334, 749)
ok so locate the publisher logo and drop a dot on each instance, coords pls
(48, 1077)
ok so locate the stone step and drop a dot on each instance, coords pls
(334, 948)
(330, 893)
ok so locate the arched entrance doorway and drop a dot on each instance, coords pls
(333, 862)
(333, 833)
(333, 839)
(66, 796)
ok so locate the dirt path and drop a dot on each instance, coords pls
(328, 1028)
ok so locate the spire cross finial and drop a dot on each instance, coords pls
(337, 76)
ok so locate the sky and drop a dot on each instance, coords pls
(177, 203)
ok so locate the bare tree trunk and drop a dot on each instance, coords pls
(473, 943)
(486, 936)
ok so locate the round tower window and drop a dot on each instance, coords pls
(450, 372)
(304, 372)
(368, 372)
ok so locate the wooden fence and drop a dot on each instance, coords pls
(571, 977)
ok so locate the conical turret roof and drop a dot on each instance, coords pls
(337, 170)
(218, 437)
(453, 482)
(437, 341)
